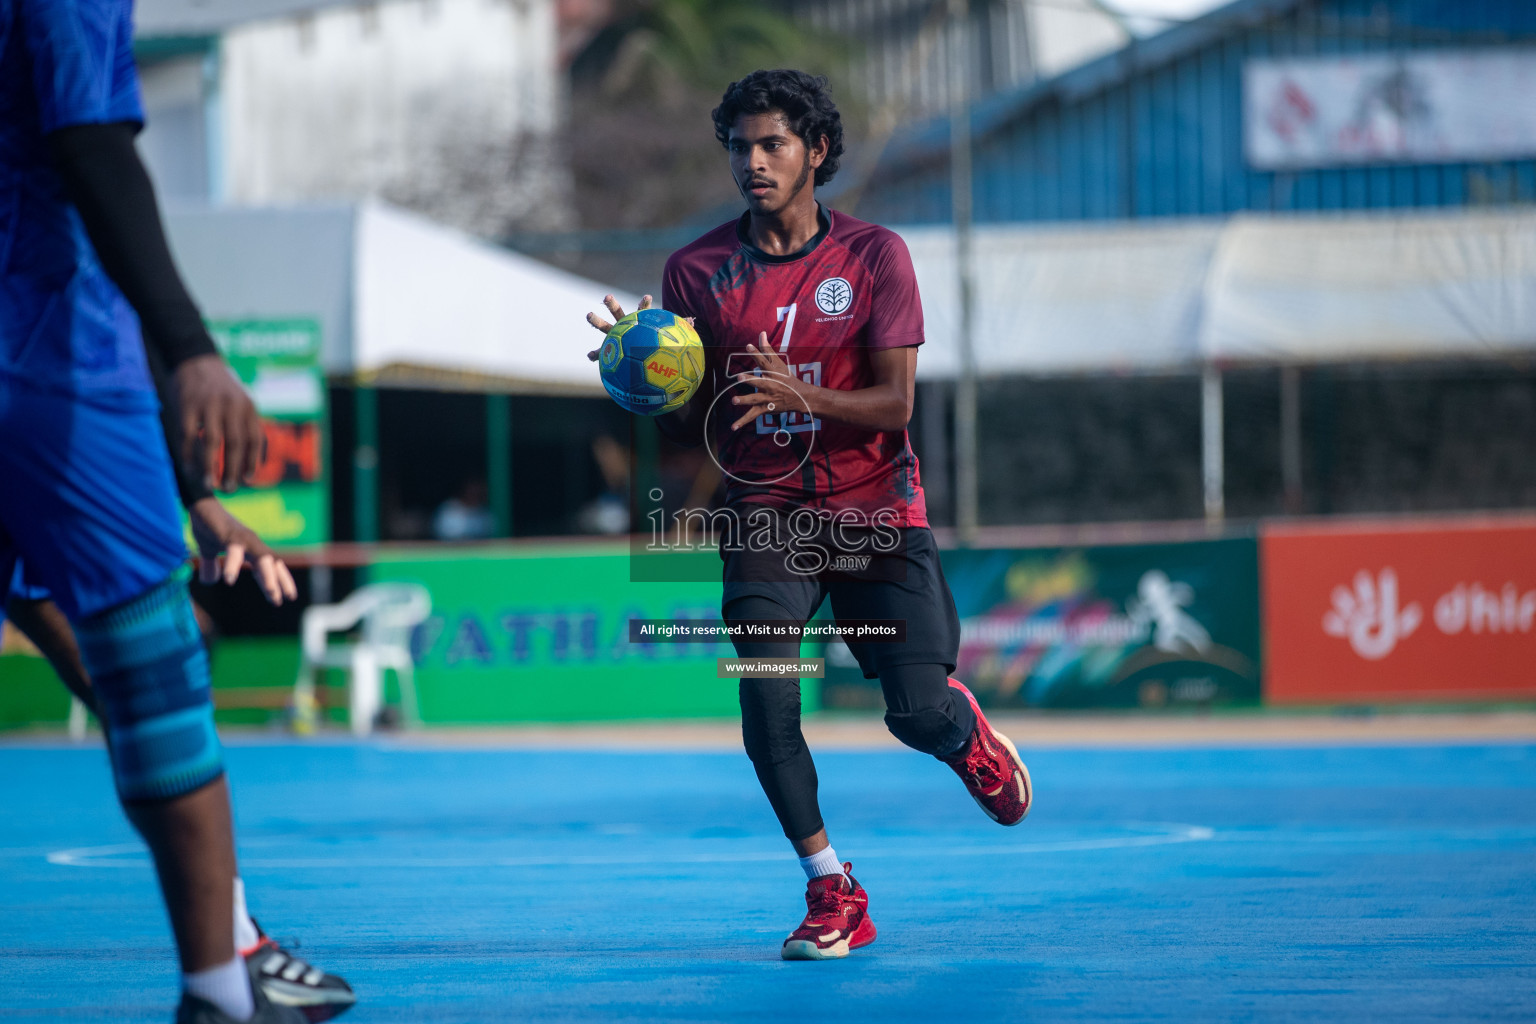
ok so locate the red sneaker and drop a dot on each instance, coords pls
(836, 919)
(990, 767)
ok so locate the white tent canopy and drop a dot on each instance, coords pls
(397, 297)
(403, 299)
(427, 296)
(1287, 289)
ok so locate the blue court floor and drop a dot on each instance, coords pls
(458, 885)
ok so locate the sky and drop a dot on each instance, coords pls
(1167, 8)
(1147, 15)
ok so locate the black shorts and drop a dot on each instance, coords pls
(898, 579)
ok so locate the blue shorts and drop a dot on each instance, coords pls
(87, 498)
(24, 588)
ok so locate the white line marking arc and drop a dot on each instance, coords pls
(133, 855)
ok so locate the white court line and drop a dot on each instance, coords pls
(132, 855)
(25, 851)
(1282, 834)
(81, 856)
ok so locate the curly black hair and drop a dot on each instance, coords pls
(802, 98)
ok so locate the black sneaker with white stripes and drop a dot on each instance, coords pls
(288, 981)
(193, 1010)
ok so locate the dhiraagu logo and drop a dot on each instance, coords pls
(1368, 616)
(1375, 619)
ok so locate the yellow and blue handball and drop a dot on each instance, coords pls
(651, 362)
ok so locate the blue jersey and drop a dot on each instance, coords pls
(64, 326)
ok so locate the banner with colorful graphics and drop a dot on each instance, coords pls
(542, 634)
(278, 361)
(1420, 105)
(1137, 625)
(1414, 610)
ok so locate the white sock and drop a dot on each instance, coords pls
(823, 863)
(246, 935)
(227, 986)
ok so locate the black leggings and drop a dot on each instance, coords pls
(923, 711)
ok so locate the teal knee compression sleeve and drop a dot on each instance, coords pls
(150, 672)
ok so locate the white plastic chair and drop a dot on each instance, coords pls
(78, 719)
(388, 612)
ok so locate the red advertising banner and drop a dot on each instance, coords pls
(1399, 611)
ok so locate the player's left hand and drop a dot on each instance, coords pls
(216, 532)
(777, 389)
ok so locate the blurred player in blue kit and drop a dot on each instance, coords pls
(30, 608)
(87, 492)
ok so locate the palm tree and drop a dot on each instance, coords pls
(661, 46)
(642, 153)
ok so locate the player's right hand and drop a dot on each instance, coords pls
(618, 314)
(217, 532)
(219, 416)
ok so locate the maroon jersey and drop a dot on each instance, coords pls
(849, 290)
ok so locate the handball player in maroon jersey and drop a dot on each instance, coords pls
(811, 322)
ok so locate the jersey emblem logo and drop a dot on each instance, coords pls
(833, 296)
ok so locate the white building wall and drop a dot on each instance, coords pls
(449, 107)
(175, 142)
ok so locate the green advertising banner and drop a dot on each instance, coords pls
(1136, 625)
(278, 361)
(522, 634)
(542, 634)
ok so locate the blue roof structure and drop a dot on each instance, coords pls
(1155, 128)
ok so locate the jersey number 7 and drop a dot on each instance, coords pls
(794, 421)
